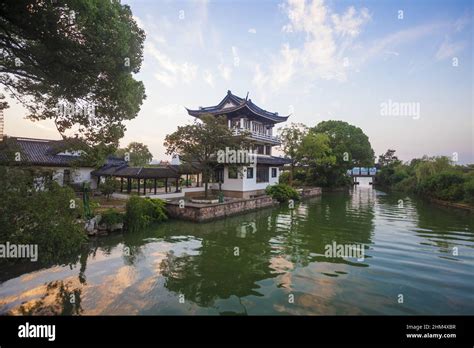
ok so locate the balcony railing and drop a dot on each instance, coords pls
(256, 135)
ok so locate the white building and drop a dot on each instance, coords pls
(244, 116)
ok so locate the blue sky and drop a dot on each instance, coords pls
(318, 60)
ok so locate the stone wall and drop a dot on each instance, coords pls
(311, 192)
(203, 212)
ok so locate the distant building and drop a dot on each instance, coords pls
(244, 116)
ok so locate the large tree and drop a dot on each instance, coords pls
(349, 145)
(200, 142)
(73, 61)
(138, 154)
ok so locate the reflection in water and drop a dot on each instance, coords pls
(254, 263)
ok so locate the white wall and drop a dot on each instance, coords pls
(243, 184)
(78, 175)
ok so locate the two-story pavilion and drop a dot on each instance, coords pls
(244, 116)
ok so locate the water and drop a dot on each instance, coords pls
(258, 262)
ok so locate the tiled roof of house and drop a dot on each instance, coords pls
(42, 152)
(231, 103)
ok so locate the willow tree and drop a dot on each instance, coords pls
(200, 142)
(73, 62)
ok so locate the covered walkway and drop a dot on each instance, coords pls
(151, 180)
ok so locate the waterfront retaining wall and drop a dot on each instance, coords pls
(202, 212)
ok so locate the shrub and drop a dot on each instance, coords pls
(111, 217)
(140, 212)
(108, 187)
(42, 216)
(282, 192)
(284, 178)
(445, 186)
(469, 190)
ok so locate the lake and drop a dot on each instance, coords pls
(418, 259)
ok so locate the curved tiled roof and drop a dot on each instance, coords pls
(239, 103)
(43, 152)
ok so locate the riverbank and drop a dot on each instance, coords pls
(456, 205)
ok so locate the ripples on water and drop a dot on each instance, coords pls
(258, 263)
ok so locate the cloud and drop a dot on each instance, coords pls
(449, 49)
(327, 36)
(171, 72)
(252, 31)
(208, 78)
(350, 22)
(225, 71)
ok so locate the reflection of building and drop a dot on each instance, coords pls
(244, 117)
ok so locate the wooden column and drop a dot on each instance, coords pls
(177, 184)
(138, 187)
(155, 186)
(144, 186)
(166, 185)
(187, 178)
(129, 185)
(121, 184)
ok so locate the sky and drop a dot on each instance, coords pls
(400, 70)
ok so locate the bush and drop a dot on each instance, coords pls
(282, 192)
(111, 217)
(446, 186)
(284, 178)
(469, 190)
(140, 212)
(108, 187)
(39, 215)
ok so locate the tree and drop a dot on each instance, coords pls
(388, 158)
(108, 187)
(73, 63)
(139, 155)
(349, 145)
(291, 137)
(200, 142)
(316, 154)
(35, 210)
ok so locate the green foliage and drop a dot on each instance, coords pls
(388, 158)
(140, 212)
(469, 190)
(326, 151)
(111, 217)
(445, 186)
(139, 154)
(282, 192)
(36, 210)
(81, 59)
(200, 142)
(108, 187)
(434, 177)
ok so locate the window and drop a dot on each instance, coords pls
(249, 173)
(262, 174)
(219, 175)
(274, 172)
(260, 149)
(66, 177)
(232, 173)
(268, 150)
